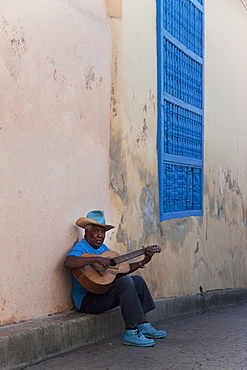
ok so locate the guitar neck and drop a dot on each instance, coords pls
(129, 256)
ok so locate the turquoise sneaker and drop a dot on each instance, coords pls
(136, 338)
(149, 332)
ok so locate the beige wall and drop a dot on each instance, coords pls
(55, 83)
(208, 251)
(225, 144)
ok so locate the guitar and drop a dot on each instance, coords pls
(98, 279)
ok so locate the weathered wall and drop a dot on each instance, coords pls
(55, 152)
(134, 117)
(210, 251)
(55, 81)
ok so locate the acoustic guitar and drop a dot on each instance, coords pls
(98, 279)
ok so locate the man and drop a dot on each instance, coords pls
(130, 293)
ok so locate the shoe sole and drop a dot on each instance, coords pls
(154, 337)
(138, 345)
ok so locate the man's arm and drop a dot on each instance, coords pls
(136, 265)
(75, 262)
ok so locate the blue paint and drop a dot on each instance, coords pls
(180, 41)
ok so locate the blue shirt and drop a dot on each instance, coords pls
(78, 290)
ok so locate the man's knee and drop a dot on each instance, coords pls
(138, 279)
(127, 280)
(130, 282)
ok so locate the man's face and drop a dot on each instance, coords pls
(95, 236)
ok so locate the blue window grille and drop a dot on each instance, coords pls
(180, 43)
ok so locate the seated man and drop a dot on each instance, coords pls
(130, 293)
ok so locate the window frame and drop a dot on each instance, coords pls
(163, 157)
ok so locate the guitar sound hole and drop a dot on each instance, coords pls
(112, 262)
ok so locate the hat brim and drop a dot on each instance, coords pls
(84, 221)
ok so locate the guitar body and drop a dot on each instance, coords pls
(96, 278)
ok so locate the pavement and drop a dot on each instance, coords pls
(201, 331)
(211, 340)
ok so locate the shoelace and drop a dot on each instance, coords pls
(138, 332)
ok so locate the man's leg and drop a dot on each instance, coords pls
(128, 292)
(135, 300)
(143, 293)
(124, 293)
(147, 304)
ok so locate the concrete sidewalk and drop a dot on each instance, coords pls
(213, 340)
(36, 340)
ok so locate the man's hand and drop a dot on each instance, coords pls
(148, 255)
(103, 261)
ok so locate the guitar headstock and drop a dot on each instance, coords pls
(155, 248)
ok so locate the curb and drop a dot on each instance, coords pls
(36, 340)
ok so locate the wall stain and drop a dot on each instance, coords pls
(221, 209)
(174, 232)
(224, 203)
(90, 78)
(149, 216)
(54, 74)
(118, 173)
(200, 261)
(124, 237)
(113, 102)
(143, 135)
(13, 46)
(244, 209)
(149, 208)
(233, 185)
(197, 247)
(154, 285)
(206, 225)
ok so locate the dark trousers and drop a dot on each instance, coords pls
(129, 292)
